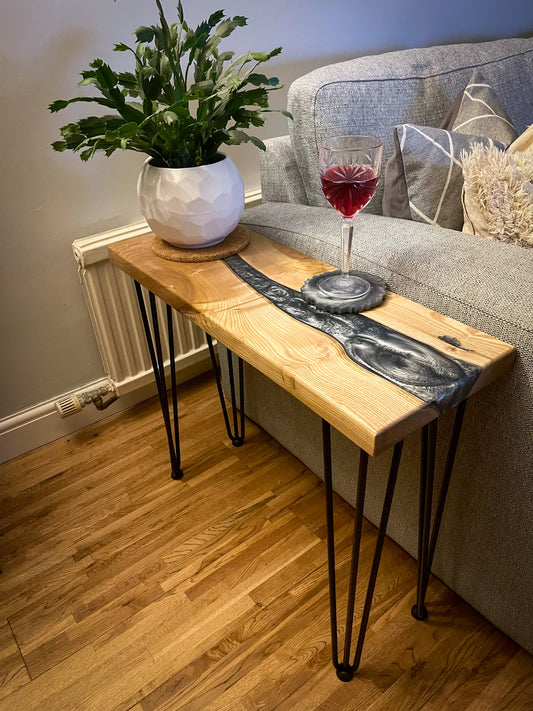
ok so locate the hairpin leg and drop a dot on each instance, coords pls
(237, 435)
(345, 669)
(427, 537)
(156, 357)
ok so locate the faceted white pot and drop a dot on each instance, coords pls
(192, 207)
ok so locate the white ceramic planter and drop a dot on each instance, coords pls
(191, 207)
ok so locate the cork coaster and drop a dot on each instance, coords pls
(233, 243)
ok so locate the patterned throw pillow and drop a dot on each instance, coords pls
(432, 180)
(424, 177)
(478, 112)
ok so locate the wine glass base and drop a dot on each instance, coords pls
(343, 286)
(342, 294)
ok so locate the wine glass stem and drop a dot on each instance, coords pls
(346, 244)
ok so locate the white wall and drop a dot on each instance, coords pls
(50, 199)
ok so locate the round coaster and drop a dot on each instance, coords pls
(313, 294)
(233, 243)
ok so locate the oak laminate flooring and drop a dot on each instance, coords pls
(122, 590)
(13, 672)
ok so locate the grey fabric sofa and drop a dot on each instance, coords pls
(485, 551)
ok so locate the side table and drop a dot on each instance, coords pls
(376, 378)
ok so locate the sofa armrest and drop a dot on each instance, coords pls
(280, 178)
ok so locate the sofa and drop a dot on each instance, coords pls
(485, 551)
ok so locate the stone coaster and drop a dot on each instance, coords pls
(233, 243)
(313, 294)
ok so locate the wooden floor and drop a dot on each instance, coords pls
(121, 589)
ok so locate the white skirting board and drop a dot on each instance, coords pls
(40, 424)
(112, 305)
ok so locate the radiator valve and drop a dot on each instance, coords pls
(71, 404)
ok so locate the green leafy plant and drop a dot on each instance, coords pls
(183, 99)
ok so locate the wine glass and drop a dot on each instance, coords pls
(349, 171)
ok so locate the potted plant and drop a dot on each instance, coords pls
(181, 102)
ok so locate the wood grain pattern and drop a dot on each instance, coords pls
(122, 590)
(369, 410)
(13, 672)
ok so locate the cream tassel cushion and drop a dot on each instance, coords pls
(498, 191)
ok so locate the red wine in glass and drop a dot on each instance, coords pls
(349, 188)
(349, 172)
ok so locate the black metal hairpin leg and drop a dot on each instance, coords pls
(156, 357)
(237, 436)
(345, 669)
(427, 537)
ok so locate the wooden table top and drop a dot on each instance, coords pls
(371, 411)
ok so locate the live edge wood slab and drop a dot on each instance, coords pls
(312, 366)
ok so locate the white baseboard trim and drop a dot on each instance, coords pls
(40, 424)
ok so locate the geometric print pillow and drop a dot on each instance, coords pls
(478, 111)
(423, 178)
(428, 176)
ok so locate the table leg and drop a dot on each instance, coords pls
(345, 670)
(427, 536)
(237, 435)
(153, 340)
(156, 357)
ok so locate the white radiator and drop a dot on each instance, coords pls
(115, 316)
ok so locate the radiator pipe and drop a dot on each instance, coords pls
(101, 398)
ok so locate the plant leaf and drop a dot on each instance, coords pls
(144, 34)
(58, 105)
(225, 28)
(88, 153)
(128, 130)
(259, 56)
(236, 137)
(151, 82)
(170, 117)
(104, 74)
(127, 79)
(258, 79)
(202, 87)
(224, 57)
(215, 18)
(257, 142)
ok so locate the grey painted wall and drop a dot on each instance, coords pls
(50, 199)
